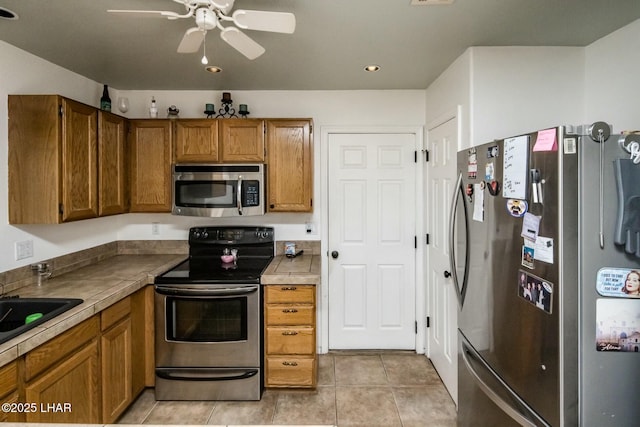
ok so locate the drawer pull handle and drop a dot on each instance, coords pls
(289, 333)
(290, 363)
(290, 310)
(290, 288)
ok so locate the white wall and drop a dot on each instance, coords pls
(504, 91)
(22, 73)
(612, 70)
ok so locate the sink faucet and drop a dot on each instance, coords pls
(43, 271)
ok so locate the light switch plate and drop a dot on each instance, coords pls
(24, 249)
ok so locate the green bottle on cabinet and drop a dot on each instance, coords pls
(105, 101)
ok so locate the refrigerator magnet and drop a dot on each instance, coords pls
(617, 325)
(489, 172)
(535, 290)
(494, 187)
(618, 282)
(493, 151)
(517, 208)
(528, 256)
(472, 165)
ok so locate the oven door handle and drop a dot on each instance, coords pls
(189, 291)
(204, 374)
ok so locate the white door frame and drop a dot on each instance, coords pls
(453, 114)
(323, 311)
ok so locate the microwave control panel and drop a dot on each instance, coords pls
(250, 193)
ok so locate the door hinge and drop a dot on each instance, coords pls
(61, 209)
(426, 239)
(428, 321)
(415, 242)
(426, 156)
(416, 322)
(415, 156)
(61, 110)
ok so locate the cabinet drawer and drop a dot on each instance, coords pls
(290, 372)
(42, 357)
(279, 294)
(8, 378)
(113, 314)
(299, 340)
(290, 315)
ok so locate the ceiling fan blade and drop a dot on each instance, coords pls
(241, 42)
(279, 22)
(191, 40)
(150, 13)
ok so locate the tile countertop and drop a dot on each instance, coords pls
(100, 285)
(301, 270)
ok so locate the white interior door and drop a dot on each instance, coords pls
(441, 298)
(372, 214)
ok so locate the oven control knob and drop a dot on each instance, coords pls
(205, 234)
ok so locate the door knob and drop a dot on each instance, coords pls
(334, 254)
(447, 274)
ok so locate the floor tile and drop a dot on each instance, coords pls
(306, 407)
(253, 412)
(359, 370)
(326, 370)
(421, 406)
(366, 406)
(180, 412)
(408, 369)
(140, 409)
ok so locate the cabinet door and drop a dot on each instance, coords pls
(151, 148)
(68, 392)
(116, 370)
(289, 159)
(111, 164)
(242, 140)
(196, 140)
(34, 159)
(79, 158)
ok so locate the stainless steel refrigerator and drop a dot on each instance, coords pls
(545, 231)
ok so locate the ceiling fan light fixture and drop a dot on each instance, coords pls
(372, 68)
(213, 69)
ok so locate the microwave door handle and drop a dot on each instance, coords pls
(239, 195)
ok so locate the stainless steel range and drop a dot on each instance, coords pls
(208, 317)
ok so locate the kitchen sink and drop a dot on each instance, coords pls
(15, 311)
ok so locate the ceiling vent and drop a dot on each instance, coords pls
(430, 2)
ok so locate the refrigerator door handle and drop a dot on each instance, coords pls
(520, 412)
(460, 290)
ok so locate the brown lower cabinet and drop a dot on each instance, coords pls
(290, 336)
(89, 374)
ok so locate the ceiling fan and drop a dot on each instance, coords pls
(210, 14)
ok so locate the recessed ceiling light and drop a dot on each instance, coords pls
(213, 69)
(372, 68)
(7, 14)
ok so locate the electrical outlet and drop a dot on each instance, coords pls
(24, 249)
(155, 228)
(310, 227)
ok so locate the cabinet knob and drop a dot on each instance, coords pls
(447, 274)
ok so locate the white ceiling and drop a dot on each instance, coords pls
(333, 41)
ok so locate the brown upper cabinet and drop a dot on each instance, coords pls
(52, 160)
(112, 165)
(151, 145)
(219, 140)
(242, 140)
(196, 140)
(290, 165)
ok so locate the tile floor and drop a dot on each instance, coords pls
(389, 388)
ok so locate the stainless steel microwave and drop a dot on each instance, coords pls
(217, 190)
